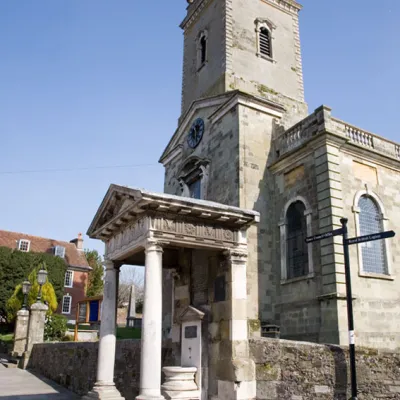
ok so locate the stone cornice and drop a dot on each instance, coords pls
(193, 11)
(285, 5)
(137, 205)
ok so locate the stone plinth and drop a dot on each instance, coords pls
(21, 333)
(180, 383)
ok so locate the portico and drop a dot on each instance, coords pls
(154, 230)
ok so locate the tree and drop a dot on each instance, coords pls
(95, 283)
(130, 276)
(15, 266)
(14, 304)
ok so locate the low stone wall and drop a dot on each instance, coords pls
(305, 371)
(74, 365)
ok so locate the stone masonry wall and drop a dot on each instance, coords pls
(289, 370)
(74, 365)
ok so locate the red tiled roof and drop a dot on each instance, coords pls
(73, 256)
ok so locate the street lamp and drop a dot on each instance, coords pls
(26, 287)
(41, 278)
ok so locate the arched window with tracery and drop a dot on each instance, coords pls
(373, 254)
(296, 247)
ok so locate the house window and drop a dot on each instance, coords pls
(59, 251)
(297, 249)
(24, 245)
(202, 44)
(265, 42)
(374, 258)
(66, 304)
(195, 189)
(69, 279)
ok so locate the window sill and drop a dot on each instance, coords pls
(300, 278)
(270, 59)
(69, 287)
(376, 276)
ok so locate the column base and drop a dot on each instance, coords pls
(103, 392)
(145, 397)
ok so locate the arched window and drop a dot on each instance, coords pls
(203, 49)
(265, 42)
(202, 42)
(296, 247)
(374, 257)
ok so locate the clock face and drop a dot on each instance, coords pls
(196, 133)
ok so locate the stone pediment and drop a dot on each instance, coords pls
(191, 314)
(176, 143)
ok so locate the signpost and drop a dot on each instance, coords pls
(346, 243)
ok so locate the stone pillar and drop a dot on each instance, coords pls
(235, 364)
(150, 362)
(35, 330)
(105, 386)
(21, 333)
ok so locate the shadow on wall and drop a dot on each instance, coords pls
(341, 382)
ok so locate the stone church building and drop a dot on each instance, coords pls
(249, 174)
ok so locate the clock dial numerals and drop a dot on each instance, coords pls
(196, 133)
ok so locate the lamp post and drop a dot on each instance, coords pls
(26, 287)
(41, 278)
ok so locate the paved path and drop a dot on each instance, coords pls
(17, 384)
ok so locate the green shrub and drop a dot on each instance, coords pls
(48, 295)
(67, 339)
(55, 328)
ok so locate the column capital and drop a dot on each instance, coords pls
(236, 255)
(110, 264)
(154, 245)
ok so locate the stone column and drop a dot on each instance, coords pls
(105, 386)
(150, 362)
(36, 329)
(21, 333)
(235, 364)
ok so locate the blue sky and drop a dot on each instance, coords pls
(90, 83)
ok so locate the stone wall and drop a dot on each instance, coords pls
(74, 365)
(304, 371)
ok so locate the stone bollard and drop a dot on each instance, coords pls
(21, 333)
(35, 331)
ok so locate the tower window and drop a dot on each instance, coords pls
(264, 28)
(195, 189)
(265, 42)
(202, 49)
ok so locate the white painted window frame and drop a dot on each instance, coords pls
(72, 279)
(70, 304)
(385, 222)
(270, 27)
(20, 241)
(283, 236)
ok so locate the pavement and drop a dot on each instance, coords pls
(17, 384)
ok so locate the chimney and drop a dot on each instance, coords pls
(78, 242)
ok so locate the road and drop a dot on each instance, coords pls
(16, 384)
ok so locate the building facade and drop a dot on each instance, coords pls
(76, 276)
(245, 138)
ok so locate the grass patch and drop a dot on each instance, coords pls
(8, 338)
(128, 333)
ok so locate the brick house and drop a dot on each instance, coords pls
(76, 277)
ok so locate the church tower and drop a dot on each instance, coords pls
(242, 87)
(253, 46)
